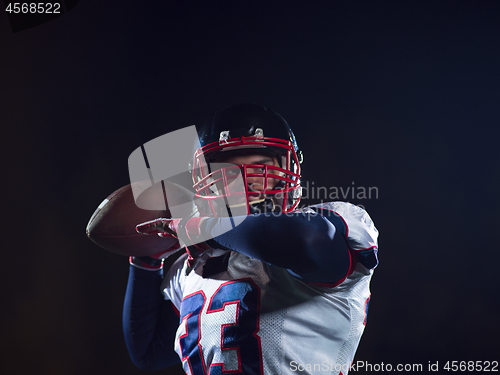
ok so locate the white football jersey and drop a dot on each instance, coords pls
(256, 318)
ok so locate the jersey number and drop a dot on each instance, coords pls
(240, 335)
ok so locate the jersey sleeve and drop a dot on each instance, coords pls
(356, 227)
(149, 321)
(307, 244)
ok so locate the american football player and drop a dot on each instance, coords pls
(284, 291)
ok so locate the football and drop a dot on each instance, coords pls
(112, 225)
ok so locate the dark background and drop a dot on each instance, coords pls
(399, 95)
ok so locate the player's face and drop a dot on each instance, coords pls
(249, 158)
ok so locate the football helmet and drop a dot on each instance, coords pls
(246, 129)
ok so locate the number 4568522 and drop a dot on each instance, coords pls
(33, 8)
(471, 366)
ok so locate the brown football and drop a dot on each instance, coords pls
(112, 226)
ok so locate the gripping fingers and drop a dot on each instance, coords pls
(160, 226)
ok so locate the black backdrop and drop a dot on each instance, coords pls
(401, 96)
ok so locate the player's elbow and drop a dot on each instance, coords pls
(325, 257)
(147, 364)
(150, 357)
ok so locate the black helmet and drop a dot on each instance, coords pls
(249, 128)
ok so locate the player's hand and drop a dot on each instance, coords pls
(163, 228)
(190, 233)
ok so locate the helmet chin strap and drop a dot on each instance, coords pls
(264, 205)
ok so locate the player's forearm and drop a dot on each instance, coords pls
(149, 322)
(307, 244)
